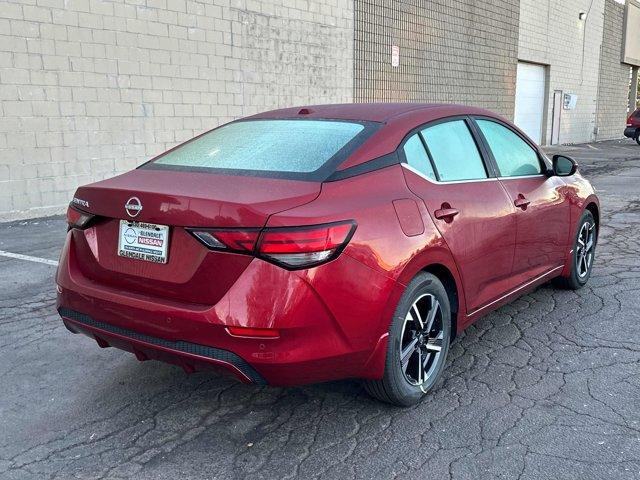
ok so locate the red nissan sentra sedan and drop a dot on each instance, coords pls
(336, 241)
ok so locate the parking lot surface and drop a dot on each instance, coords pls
(545, 388)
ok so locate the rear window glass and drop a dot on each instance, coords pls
(637, 113)
(288, 147)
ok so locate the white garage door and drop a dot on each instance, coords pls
(530, 98)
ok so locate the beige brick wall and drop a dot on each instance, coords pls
(552, 34)
(92, 88)
(451, 51)
(613, 83)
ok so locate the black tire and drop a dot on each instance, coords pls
(638, 137)
(398, 385)
(579, 274)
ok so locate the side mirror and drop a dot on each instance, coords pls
(564, 166)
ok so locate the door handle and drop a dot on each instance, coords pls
(446, 213)
(521, 202)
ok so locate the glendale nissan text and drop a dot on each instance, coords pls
(325, 242)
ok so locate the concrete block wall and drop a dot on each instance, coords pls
(452, 51)
(92, 88)
(613, 82)
(552, 34)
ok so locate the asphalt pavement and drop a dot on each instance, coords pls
(547, 387)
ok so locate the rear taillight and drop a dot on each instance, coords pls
(239, 241)
(78, 219)
(303, 247)
(290, 247)
(629, 121)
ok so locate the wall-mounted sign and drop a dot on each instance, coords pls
(631, 39)
(570, 101)
(395, 56)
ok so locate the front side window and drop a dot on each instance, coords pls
(454, 151)
(513, 155)
(264, 146)
(416, 156)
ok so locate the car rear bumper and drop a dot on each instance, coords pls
(190, 356)
(631, 132)
(326, 330)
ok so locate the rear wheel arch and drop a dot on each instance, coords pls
(422, 342)
(443, 268)
(437, 260)
(449, 282)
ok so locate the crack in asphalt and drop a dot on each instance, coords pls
(547, 387)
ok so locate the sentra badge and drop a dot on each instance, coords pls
(80, 202)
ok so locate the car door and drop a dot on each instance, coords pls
(542, 209)
(469, 207)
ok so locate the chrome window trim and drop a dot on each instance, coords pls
(436, 182)
(523, 176)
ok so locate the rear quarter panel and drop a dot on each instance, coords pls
(364, 298)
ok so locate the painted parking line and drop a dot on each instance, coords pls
(28, 258)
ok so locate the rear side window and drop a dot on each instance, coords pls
(417, 157)
(293, 148)
(513, 155)
(454, 151)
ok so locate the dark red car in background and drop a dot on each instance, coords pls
(633, 126)
(326, 242)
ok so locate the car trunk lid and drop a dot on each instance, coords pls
(177, 199)
(193, 199)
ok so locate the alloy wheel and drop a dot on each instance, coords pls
(421, 341)
(585, 249)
